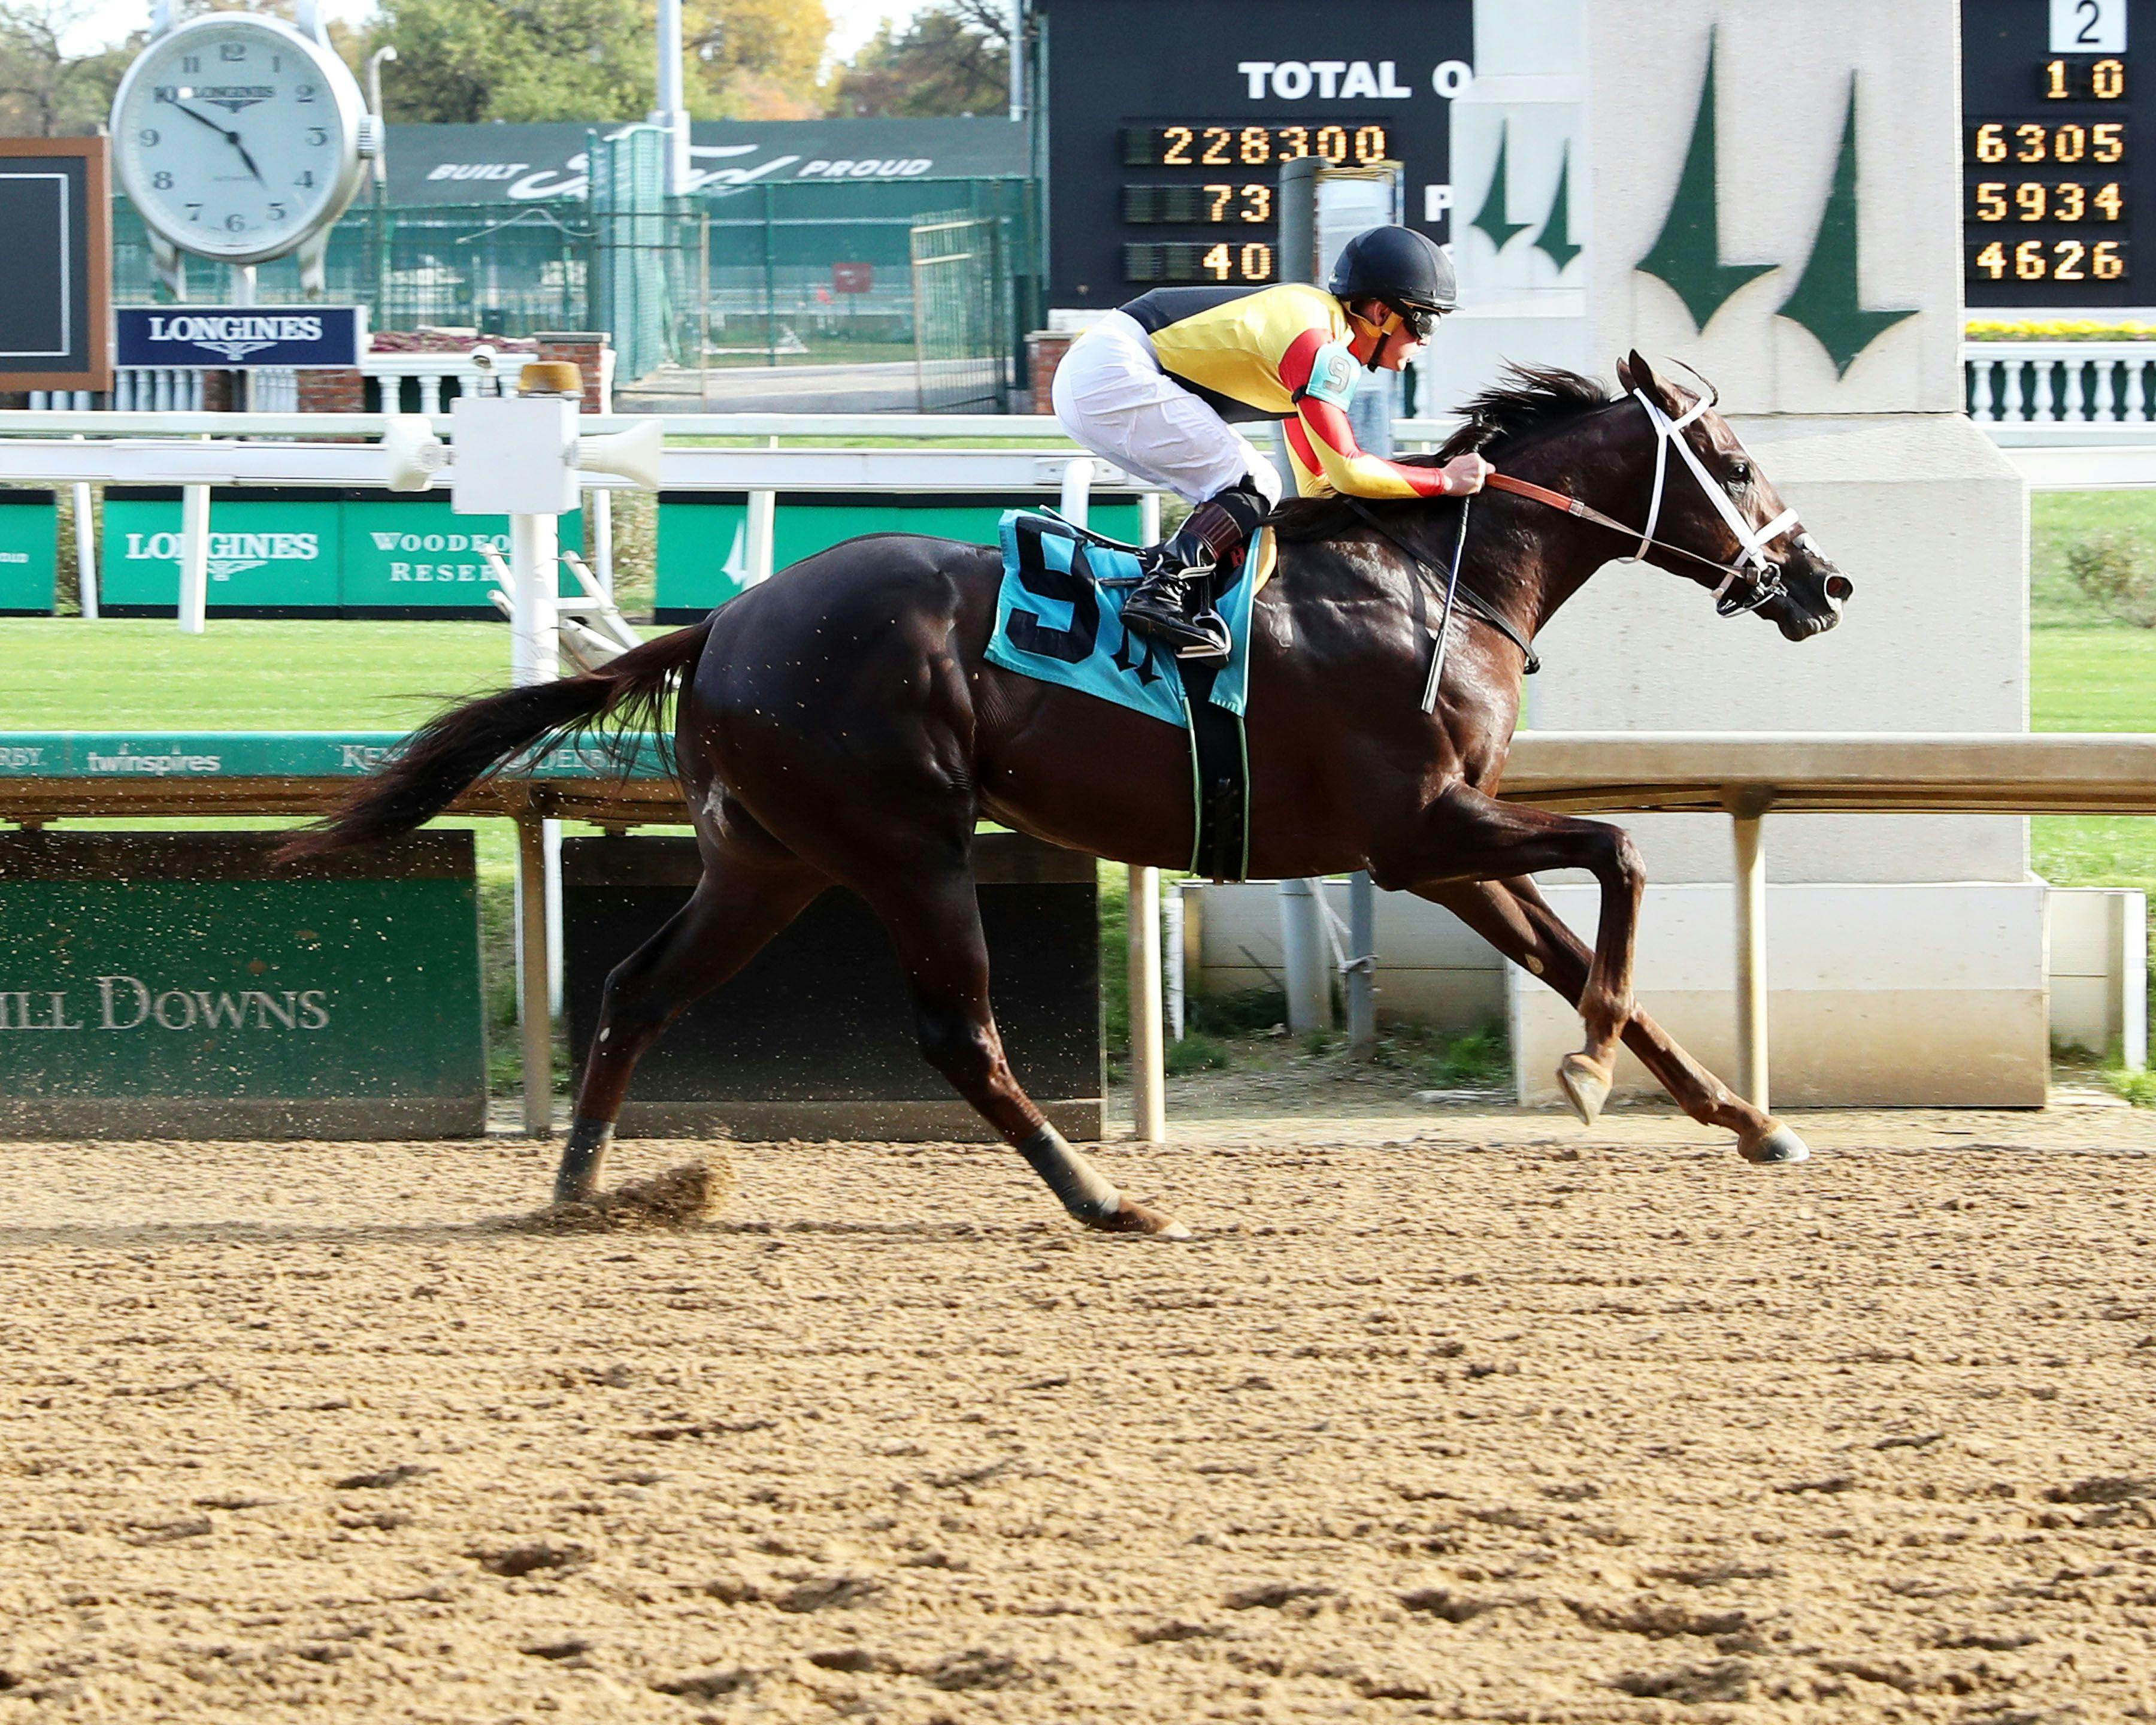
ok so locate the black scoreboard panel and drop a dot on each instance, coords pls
(1169, 121)
(2055, 102)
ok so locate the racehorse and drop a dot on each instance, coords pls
(839, 724)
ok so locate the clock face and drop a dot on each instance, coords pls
(236, 137)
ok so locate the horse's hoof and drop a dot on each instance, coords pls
(1777, 1144)
(1586, 1085)
(1130, 1217)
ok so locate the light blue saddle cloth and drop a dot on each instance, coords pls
(1054, 621)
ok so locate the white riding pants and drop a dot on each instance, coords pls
(1111, 396)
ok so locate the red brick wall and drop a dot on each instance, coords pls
(332, 392)
(584, 350)
(1045, 351)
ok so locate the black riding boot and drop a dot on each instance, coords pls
(1174, 604)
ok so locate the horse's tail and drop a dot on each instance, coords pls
(470, 743)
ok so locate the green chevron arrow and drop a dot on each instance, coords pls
(1492, 218)
(1687, 253)
(1824, 301)
(1554, 242)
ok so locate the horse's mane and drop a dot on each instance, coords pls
(1526, 398)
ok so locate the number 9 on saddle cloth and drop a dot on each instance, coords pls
(1059, 620)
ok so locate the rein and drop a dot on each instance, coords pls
(1752, 565)
(1466, 598)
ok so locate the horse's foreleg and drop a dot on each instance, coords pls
(934, 920)
(1515, 918)
(746, 896)
(1467, 836)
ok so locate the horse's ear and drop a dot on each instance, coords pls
(1634, 372)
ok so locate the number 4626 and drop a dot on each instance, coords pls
(2053, 260)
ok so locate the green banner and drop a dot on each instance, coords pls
(703, 536)
(269, 549)
(415, 554)
(162, 983)
(29, 552)
(281, 550)
(275, 754)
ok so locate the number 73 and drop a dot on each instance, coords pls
(1257, 202)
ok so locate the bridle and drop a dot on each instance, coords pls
(1761, 582)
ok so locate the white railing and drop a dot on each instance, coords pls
(2060, 382)
(474, 371)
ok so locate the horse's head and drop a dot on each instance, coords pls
(1718, 520)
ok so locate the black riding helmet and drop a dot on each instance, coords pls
(1404, 269)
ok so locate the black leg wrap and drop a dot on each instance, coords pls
(1073, 1179)
(579, 1173)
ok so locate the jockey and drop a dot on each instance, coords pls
(1153, 387)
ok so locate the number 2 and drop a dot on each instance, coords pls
(2095, 15)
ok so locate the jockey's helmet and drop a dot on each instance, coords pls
(1404, 269)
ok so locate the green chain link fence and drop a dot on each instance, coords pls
(776, 272)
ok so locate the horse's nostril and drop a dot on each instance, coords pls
(1839, 586)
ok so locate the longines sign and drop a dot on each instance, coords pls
(224, 337)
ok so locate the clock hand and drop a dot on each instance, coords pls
(230, 137)
(234, 138)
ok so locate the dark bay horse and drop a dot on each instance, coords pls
(838, 725)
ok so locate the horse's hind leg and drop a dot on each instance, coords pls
(1516, 919)
(934, 922)
(749, 891)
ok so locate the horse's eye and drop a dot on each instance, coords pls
(1740, 473)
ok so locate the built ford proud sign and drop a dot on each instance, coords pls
(541, 162)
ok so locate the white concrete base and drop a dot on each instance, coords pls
(1912, 994)
(2098, 938)
(1878, 996)
(1432, 969)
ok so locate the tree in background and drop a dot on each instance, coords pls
(44, 91)
(754, 60)
(953, 58)
(470, 60)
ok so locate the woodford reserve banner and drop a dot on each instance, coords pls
(541, 162)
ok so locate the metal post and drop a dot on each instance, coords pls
(243, 294)
(85, 549)
(194, 559)
(670, 116)
(1148, 1068)
(536, 1021)
(535, 548)
(1303, 955)
(1751, 953)
(763, 528)
(1362, 981)
(602, 538)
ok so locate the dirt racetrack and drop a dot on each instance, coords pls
(1454, 1415)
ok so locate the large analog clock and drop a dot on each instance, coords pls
(238, 138)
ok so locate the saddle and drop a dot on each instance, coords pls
(1058, 620)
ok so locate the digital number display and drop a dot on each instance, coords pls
(2053, 115)
(2032, 140)
(2066, 261)
(2083, 77)
(2070, 201)
(1228, 146)
(1224, 202)
(1232, 175)
(1156, 264)
(1167, 125)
